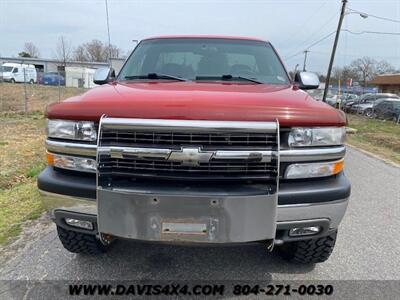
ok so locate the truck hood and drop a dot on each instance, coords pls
(199, 101)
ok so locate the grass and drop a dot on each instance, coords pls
(22, 155)
(377, 136)
(21, 148)
(22, 158)
(17, 205)
(12, 96)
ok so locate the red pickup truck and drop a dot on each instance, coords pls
(198, 140)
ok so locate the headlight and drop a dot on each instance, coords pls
(310, 170)
(319, 136)
(81, 164)
(71, 130)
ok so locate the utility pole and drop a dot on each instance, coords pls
(328, 75)
(305, 59)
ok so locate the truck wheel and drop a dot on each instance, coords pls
(12, 80)
(309, 251)
(77, 242)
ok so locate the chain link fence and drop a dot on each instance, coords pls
(27, 90)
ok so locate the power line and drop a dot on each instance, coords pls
(312, 45)
(354, 55)
(310, 17)
(345, 30)
(374, 16)
(371, 32)
(319, 29)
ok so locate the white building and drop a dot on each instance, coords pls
(81, 77)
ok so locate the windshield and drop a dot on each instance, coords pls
(7, 68)
(205, 59)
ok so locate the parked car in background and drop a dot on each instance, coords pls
(348, 98)
(13, 73)
(331, 99)
(52, 78)
(387, 109)
(364, 105)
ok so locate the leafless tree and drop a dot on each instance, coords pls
(343, 74)
(80, 54)
(112, 50)
(63, 50)
(96, 51)
(383, 67)
(31, 49)
(365, 68)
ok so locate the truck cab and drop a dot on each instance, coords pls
(198, 140)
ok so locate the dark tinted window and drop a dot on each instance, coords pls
(191, 58)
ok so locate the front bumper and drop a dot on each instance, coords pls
(319, 202)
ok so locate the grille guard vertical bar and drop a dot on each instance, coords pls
(99, 135)
(271, 245)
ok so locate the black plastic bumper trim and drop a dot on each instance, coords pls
(68, 184)
(60, 215)
(295, 192)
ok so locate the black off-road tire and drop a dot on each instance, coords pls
(309, 251)
(78, 242)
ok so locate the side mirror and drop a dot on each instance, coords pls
(307, 80)
(103, 75)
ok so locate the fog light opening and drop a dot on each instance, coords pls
(79, 223)
(300, 231)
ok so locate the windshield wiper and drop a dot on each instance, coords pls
(156, 76)
(228, 77)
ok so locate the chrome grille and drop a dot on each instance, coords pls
(210, 170)
(130, 149)
(175, 140)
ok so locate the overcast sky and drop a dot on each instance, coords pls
(290, 25)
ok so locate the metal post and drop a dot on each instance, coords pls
(305, 59)
(25, 93)
(59, 86)
(339, 94)
(328, 75)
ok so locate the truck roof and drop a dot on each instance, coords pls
(205, 37)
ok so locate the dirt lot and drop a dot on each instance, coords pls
(12, 96)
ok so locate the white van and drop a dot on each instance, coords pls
(13, 72)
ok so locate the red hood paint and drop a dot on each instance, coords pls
(199, 101)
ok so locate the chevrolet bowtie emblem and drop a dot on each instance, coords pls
(191, 156)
